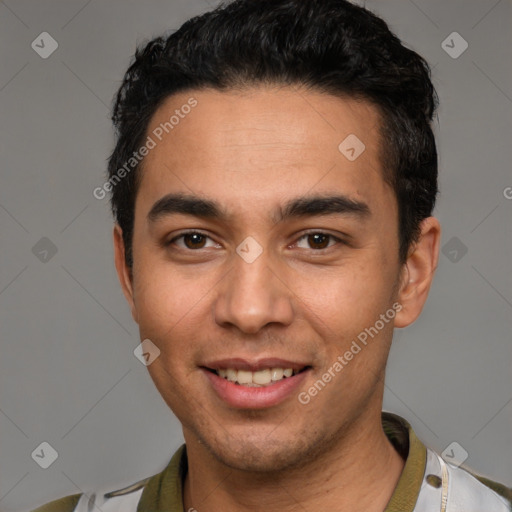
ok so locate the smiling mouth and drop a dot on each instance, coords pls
(260, 378)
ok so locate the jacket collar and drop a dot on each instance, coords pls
(164, 491)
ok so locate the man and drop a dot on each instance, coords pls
(273, 185)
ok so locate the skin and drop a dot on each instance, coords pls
(300, 300)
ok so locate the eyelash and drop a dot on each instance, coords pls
(305, 235)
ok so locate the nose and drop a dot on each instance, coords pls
(253, 295)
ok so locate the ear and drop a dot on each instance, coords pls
(124, 273)
(418, 272)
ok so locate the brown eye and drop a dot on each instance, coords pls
(318, 241)
(194, 240)
(190, 240)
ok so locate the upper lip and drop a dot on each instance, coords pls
(253, 365)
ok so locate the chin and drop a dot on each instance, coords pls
(266, 454)
(251, 458)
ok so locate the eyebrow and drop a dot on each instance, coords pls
(304, 206)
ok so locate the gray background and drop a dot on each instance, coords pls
(68, 375)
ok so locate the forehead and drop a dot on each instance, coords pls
(262, 142)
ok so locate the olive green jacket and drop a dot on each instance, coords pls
(427, 484)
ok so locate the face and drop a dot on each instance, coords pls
(261, 250)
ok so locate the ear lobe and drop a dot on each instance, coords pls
(418, 272)
(124, 273)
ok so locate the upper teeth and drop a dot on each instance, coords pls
(259, 378)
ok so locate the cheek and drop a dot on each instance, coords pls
(348, 296)
(163, 287)
(167, 304)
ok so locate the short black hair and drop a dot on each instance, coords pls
(331, 46)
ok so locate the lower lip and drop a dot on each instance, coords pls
(244, 397)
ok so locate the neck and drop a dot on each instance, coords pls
(359, 473)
